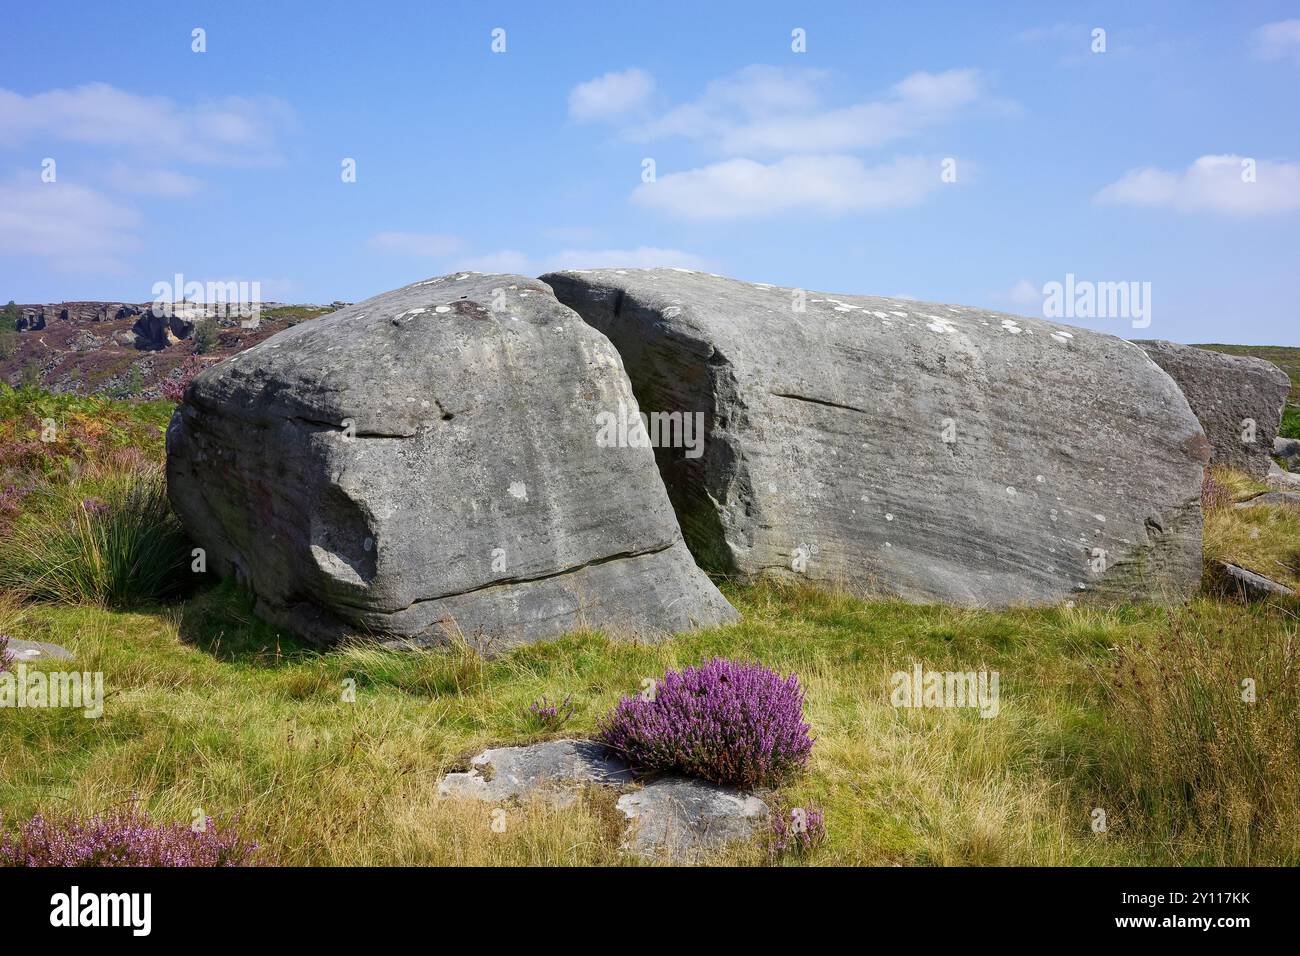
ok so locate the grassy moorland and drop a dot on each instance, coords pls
(1137, 711)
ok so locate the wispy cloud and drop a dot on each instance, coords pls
(640, 257)
(1280, 40)
(69, 226)
(148, 181)
(611, 96)
(424, 245)
(1223, 184)
(777, 110)
(230, 131)
(816, 185)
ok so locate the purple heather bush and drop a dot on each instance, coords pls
(730, 723)
(122, 838)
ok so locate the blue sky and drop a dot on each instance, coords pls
(821, 169)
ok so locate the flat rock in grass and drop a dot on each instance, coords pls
(928, 452)
(686, 820)
(555, 771)
(1280, 480)
(1276, 499)
(1250, 586)
(1238, 398)
(1288, 449)
(425, 464)
(37, 651)
(670, 818)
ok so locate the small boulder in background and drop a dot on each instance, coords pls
(1238, 400)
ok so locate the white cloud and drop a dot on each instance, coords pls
(1281, 40)
(72, 227)
(610, 96)
(1211, 184)
(152, 182)
(776, 110)
(1025, 292)
(431, 245)
(507, 261)
(817, 185)
(233, 131)
(642, 257)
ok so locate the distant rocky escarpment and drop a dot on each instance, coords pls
(129, 349)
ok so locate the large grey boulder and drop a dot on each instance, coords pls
(425, 463)
(931, 452)
(1238, 399)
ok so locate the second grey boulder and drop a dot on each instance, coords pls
(1237, 398)
(929, 452)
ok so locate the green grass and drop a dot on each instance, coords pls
(1133, 710)
(106, 539)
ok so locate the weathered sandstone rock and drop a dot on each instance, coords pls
(1288, 449)
(670, 818)
(1238, 399)
(932, 452)
(1272, 499)
(1246, 585)
(1280, 480)
(426, 462)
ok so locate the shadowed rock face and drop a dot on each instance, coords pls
(930, 452)
(1238, 399)
(425, 462)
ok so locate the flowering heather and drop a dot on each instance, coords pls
(796, 830)
(551, 716)
(726, 722)
(173, 389)
(126, 838)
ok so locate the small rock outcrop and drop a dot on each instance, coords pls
(928, 452)
(1246, 585)
(38, 650)
(1288, 449)
(155, 331)
(1272, 499)
(673, 818)
(1280, 480)
(426, 463)
(1238, 400)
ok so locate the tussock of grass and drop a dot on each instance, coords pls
(1262, 539)
(107, 540)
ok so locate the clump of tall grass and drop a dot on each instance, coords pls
(1205, 757)
(111, 541)
(1264, 539)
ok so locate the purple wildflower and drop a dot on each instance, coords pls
(726, 722)
(123, 838)
(94, 506)
(552, 716)
(797, 830)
